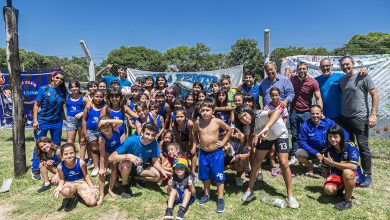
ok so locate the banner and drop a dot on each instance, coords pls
(30, 85)
(378, 67)
(182, 81)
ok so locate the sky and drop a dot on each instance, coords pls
(55, 27)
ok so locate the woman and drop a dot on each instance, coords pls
(48, 114)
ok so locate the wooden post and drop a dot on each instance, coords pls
(13, 63)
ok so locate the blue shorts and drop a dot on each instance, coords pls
(92, 135)
(181, 196)
(72, 123)
(211, 165)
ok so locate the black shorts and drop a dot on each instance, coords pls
(137, 170)
(281, 145)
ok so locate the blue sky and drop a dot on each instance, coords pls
(55, 27)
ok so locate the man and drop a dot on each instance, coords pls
(355, 115)
(250, 87)
(133, 158)
(121, 78)
(312, 138)
(274, 79)
(304, 88)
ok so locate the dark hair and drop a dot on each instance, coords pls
(302, 64)
(40, 153)
(65, 146)
(198, 105)
(142, 105)
(149, 125)
(245, 109)
(239, 94)
(167, 131)
(225, 77)
(62, 86)
(162, 77)
(74, 83)
(274, 89)
(136, 87)
(153, 105)
(198, 84)
(250, 74)
(249, 98)
(159, 94)
(96, 91)
(316, 106)
(102, 81)
(214, 82)
(346, 57)
(201, 92)
(140, 79)
(180, 110)
(219, 104)
(188, 95)
(149, 77)
(114, 82)
(336, 129)
(90, 83)
(112, 91)
(6, 87)
(208, 102)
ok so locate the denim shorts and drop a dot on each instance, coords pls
(72, 123)
(93, 135)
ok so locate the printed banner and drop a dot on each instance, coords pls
(182, 81)
(30, 85)
(378, 67)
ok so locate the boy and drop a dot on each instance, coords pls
(181, 189)
(211, 156)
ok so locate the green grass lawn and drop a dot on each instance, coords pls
(22, 202)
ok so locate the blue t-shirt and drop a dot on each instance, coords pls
(254, 92)
(133, 145)
(122, 83)
(331, 94)
(52, 104)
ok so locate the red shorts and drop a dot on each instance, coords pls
(337, 180)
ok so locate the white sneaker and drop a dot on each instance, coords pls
(293, 161)
(248, 196)
(292, 202)
(95, 172)
(239, 181)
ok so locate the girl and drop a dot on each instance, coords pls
(143, 116)
(164, 109)
(201, 96)
(248, 100)
(161, 85)
(135, 95)
(215, 86)
(170, 97)
(167, 139)
(117, 109)
(197, 87)
(90, 129)
(189, 104)
(91, 86)
(157, 119)
(238, 99)
(75, 104)
(144, 98)
(48, 155)
(148, 86)
(178, 103)
(182, 128)
(102, 85)
(223, 109)
(109, 140)
(74, 178)
(341, 162)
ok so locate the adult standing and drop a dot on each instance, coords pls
(121, 76)
(48, 114)
(133, 158)
(355, 115)
(274, 79)
(304, 88)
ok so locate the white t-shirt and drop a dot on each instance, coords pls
(278, 130)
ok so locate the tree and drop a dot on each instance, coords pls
(245, 51)
(371, 43)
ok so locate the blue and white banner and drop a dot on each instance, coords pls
(378, 67)
(182, 81)
(30, 85)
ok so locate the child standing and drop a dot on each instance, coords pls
(74, 178)
(211, 156)
(167, 139)
(181, 189)
(189, 104)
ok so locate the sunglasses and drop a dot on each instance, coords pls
(59, 78)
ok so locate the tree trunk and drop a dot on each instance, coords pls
(13, 63)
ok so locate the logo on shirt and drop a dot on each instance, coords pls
(345, 155)
(113, 143)
(73, 173)
(73, 108)
(310, 134)
(220, 176)
(95, 119)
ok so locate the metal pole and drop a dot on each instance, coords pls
(91, 66)
(266, 45)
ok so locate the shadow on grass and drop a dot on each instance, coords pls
(323, 198)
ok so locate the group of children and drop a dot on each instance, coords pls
(201, 128)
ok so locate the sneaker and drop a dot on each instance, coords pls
(220, 206)
(293, 161)
(168, 213)
(260, 177)
(367, 182)
(43, 188)
(69, 204)
(239, 181)
(275, 171)
(343, 205)
(248, 196)
(180, 213)
(292, 202)
(138, 186)
(203, 200)
(126, 191)
(35, 174)
(95, 172)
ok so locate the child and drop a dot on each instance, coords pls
(90, 128)
(196, 88)
(173, 151)
(238, 99)
(148, 86)
(74, 178)
(211, 157)
(189, 104)
(167, 139)
(181, 189)
(164, 109)
(248, 100)
(170, 97)
(48, 155)
(226, 84)
(215, 86)
(201, 96)
(135, 95)
(102, 85)
(91, 86)
(75, 104)
(161, 85)
(143, 116)
(109, 140)
(182, 128)
(139, 81)
(157, 119)
(224, 107)
(144, 98)
(115, 84)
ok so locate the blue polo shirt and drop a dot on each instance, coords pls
(312, 138)
(254, 92)
(331, 94)
(122, 83)
(52, 105)
(133, 145)
(281, 82)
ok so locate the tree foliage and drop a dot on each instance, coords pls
(371, 43)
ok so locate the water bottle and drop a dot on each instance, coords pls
(281, 203)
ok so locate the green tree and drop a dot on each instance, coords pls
(245, 51)
(371, 43)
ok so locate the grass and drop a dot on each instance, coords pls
(22, 202)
